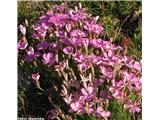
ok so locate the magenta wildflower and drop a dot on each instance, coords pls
(31, 55)
(61, 66)
(49, 58)
(99, 82)
(88, 93)
(119, 95)
(102, 113)
(108, 72)
(68, 50)
(91, 27)
(22, 29)
(22, 44)
(133, 107)
(99, 43)
(83, 67)
(77, 107)
(95, 59)
(77, 16)
(77, 33)
(30, 51)
(35, 76)
(58, 19)
(79, 57)
(42, 45)
(137, 66)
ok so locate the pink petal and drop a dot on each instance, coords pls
(90, 90)
(137, 66)
(22, 29)
(99, 110)
(30, 51)
(84, 92)
(35, 76)
(73, 106)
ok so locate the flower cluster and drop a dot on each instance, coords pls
(70, 42)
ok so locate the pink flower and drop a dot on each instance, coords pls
(116, 59)
(77, 107)
(31, 55)
(58, 19)
(102, 113)
(35, 36)
(49, 58)
(119, 95)
(108, 72)
(97, 29)
(41, 29)
(75, 42)
(44, 26)
(88, 93)
(79, 57)
(77, 15)
(99, 82)
(35, 76)
(99, 110)
(105, 114)
(22, 29)
(99, 43)
(68, 50)
(61, 66)
(77, 33)
(137, 66)
(135, 83)
(83, 67)
(42, 33)
(97, 60)
(30, 51)
(59, 33)
(22, 44)
(92, 27)
(110, 53)
(120, 84)
(42, 45)
(85, 41)
(90, 110)
(128, 60)
(133, 107)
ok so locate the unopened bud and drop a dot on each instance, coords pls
(26, 22)
(97, 17)
(76, 9)
(80, 5)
